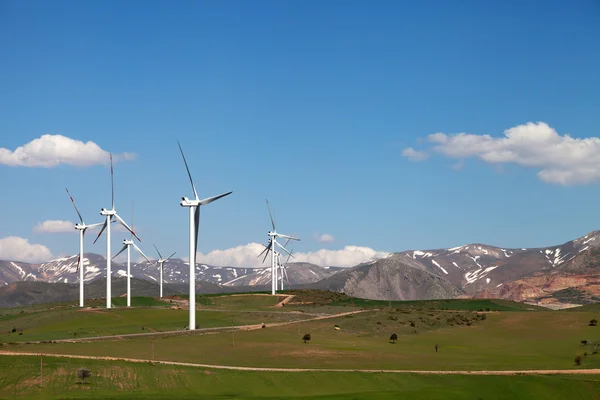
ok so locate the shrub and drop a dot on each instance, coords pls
(412, 323)
(578, 360)
(393, 338)
(593, 322)
(306, 337)
(83, 373)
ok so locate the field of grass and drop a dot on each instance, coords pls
(510, 336)
(69, 323)
(511, 340)
(20, 378)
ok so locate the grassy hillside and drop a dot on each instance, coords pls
(503, 340)
(120, 380)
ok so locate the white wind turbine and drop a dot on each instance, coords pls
(194, 206)
(161, 262)
(127, 245)
(109, 214)
(81, 227)
(273, 235)
(283, 268)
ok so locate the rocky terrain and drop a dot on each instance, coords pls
(555, 276)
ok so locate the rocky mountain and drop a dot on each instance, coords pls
(176, 271)
(517, 274)
(554, 276)
(393, 277)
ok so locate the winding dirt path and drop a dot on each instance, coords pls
(261, 369)
(201, 331)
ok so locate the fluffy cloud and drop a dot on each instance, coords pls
(18, 249)
(325, 238)
(52, 150)
(247, 256)
(414, 155)
(560, 159)
(55, 226)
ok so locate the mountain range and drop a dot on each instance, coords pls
(555, 276)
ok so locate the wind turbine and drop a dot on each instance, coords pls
(194, 206)
(273, 235)
(127, 245)
(161, 261)
(81, 227)
(284, 270)
(109, 214)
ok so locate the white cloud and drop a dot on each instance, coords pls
(55, 226)
(414, 155)
(325, 238)
(560, 159)
(52, 150)
(247, 256)
(349, 256)
(14, 248)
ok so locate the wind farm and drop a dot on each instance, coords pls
(299, 200)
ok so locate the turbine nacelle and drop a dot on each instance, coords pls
(185, 202)
(106, 212)
(127, 242)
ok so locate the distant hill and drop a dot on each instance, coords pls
(554, 276)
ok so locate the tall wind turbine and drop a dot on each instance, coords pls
(127, 245)
(109, 214)
(161, 262)
(273, 235)
(81, 227)
(194, 206)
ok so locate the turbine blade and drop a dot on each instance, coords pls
(284, 249)
(290, 255)
(126, 226)
(196, 225)
(267, 249)
(211, 199)
(261, 253)
(131, 219)
(270, 215)
(159, 255)
(95, 225)
(100, 233)
(287, 237)
(120, 251)
(171, 256)
(78, 213)
(112, 183)
(142, 253)
(287, 242)
(188, 170)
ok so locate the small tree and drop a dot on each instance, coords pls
(578, 360)
(306, 337)
(593, 322)
(83, 373)
(436, 347)
(393, 338)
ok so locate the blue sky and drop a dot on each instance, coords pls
(310, 104)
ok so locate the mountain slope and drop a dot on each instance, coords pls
(389, 278)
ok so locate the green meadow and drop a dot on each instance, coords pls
(471, 335)
(21, 378)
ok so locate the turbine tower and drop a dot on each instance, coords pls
(109, 214)
(81, 227)
(284, 270)
(127, 245)
(194, 206)
(273, 235)
(161, 262)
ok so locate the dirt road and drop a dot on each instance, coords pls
(201, 331)
(259, 369)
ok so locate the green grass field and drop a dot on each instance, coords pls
(511, 336)
(20, 378)
(69, 323)
(511, 340)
